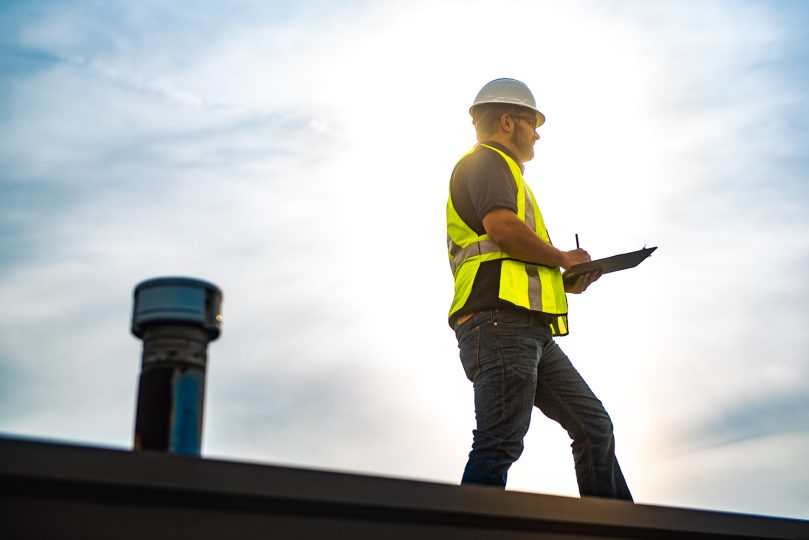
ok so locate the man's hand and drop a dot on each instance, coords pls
(574, 257)
(582, 282)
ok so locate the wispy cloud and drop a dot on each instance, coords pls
(759, 417)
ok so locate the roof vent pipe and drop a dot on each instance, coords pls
(176, 317)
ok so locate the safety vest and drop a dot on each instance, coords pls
(532, 286)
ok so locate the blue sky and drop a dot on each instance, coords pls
(297, 155)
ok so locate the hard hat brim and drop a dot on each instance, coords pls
(540, 116)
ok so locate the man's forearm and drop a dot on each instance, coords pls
(518, 240)
(525, 245)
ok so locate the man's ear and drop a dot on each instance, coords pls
(506, 123)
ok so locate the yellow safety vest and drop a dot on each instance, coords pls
(532, 286)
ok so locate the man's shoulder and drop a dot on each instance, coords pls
(480, 182)
(487, 151)
(481, 158)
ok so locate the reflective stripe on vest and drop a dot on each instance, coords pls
(458, 255)
(535, 287)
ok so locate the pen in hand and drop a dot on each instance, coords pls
(577, 240)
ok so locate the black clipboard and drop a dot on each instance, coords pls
(608, 264)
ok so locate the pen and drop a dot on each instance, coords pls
(577, 240)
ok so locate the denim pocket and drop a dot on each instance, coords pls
(469, 349)
(513, 319)
(511, 323)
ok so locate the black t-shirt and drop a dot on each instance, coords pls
(480, 182)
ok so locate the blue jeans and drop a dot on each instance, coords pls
(515, 365)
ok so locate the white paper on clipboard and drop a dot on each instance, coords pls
(609, 264)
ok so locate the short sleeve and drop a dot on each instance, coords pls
(491, 185)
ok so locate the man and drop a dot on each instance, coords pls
(510, 302)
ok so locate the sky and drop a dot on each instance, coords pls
(297, 155)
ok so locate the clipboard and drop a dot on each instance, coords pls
(608, 264)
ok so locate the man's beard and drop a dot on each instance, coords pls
(523, 144)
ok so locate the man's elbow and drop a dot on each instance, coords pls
(500, 236)
(499, 225)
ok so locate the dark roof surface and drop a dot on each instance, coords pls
(59, 491)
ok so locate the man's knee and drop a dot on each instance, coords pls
(595, 432)
(503, 450)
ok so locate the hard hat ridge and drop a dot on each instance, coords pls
(508, 92)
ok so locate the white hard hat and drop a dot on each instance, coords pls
(508, 91)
